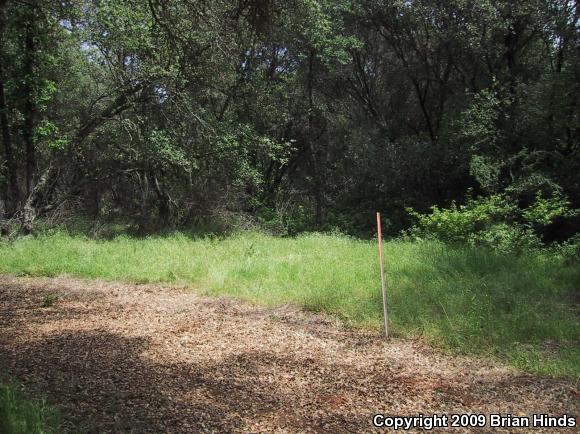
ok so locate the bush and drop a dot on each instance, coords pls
(459, 222)
(505, 238)
(569, 250)
(495, 222)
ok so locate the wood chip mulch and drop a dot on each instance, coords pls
(142, 358)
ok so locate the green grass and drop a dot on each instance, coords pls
(18, 415)
(520, 309)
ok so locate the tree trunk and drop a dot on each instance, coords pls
(163, 208)
(28, 216)
(30, 112)
(314, 153)
(28, 209)
(30, 115)
(13, 202)
(4, 228)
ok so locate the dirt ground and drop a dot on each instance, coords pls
(142, 358)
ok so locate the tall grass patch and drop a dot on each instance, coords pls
(19, 415)
(522, 309)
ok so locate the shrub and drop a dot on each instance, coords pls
(459, 223)
(569, 250)
(545, 210)
(506, 238)
(494, 221)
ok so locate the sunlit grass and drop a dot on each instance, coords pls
(517, 308)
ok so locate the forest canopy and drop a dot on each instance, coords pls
(296, 115)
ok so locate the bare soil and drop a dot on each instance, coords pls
(141, 358)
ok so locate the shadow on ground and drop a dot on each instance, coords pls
(103, 383)
(127, 359)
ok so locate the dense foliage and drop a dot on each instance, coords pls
(296, 115)
(498, 223)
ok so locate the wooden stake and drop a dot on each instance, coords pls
(383, 287)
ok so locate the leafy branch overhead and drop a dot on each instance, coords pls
(298, 115)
